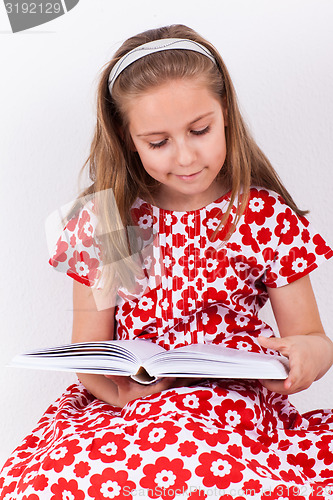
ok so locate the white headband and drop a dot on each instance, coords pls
(155, 46)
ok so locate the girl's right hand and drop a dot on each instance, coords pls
(91, 324)
(129, 390)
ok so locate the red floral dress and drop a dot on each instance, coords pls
(230, 439)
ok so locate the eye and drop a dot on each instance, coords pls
(202, 131)
(155, 145)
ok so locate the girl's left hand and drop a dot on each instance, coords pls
(310, 356)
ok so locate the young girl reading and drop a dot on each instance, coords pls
(184, 234)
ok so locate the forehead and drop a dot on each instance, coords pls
(175, 102)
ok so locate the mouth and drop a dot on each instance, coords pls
(190, 176)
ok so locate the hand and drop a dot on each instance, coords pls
(128, 389)
(310, 356)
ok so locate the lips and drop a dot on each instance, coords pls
(189, 176)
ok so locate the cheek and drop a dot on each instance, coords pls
(151, 165)
(221, 148)
(223, 152)
(145, 157)
(154, 161)
(215, 152)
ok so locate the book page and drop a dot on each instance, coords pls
(212, 360)
(143, 349)
(118, 357)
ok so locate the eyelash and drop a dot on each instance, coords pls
(194, 132)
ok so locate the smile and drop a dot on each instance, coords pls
(189, 177)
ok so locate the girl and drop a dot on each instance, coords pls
(184, 234)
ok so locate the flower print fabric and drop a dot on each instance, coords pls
(196, 289)
(77, 251)
(231, 439)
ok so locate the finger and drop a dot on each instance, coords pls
(147, 389)
(288, 383)
(159, 384)
(186, 381)
(276, 386)
(166, 383)
(275, 343)
(295, 373)
(120, 380)
(270, 341)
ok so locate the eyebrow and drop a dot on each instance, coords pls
(191, 123)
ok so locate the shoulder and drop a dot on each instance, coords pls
(267, 205)
(268, 222)
(263, 204)
(77, 251)
(267, 196)
(83, 223)
(289, 243)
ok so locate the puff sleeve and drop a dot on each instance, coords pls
(77, 251)
(297, 247)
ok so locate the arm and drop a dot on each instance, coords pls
(303, 339)
(89, 324)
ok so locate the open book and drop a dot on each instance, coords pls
(146, 362)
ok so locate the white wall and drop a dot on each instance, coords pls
(279, 54)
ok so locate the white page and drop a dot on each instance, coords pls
(218, 361)
(132, 354)
(143, 349)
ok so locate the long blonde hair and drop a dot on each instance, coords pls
(116, 169)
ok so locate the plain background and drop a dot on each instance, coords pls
(279, 54)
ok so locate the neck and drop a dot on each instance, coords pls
(181, 202)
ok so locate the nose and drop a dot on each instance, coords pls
(185, 154)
